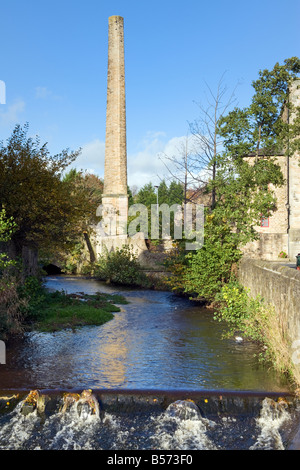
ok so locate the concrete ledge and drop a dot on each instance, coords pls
(210, 402)
(282, 268)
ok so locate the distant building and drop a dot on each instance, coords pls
(281, 232)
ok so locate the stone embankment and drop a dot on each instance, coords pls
(278, 283)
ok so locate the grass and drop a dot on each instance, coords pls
(59, 310)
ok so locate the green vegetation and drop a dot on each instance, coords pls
(51, 311)
(50, 213)
(245, 173)
(149, 195)
(33, 194)
(10, 302)
(60, 311)
(257, 322)
(25, 304)
(45, 213)
(120, 267)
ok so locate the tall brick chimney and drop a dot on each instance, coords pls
(115, 170)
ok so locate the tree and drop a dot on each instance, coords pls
(88, 189)
(33, 193)
(172, 194)
(146, 195)
(149, 195)
(241, 188)
(183, 167)
(176, 194)
(7, 228)
(209, 141)
(196, 160)
(261, 129)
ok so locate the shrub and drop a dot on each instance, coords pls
(33, 294)
(257, 321)
(11, 307)
(120, 267)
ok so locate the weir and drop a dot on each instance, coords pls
(147, 420)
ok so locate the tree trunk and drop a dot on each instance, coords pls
(30, 261)
(90, 248)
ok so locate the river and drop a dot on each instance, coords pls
(161, 374)
(157, 341)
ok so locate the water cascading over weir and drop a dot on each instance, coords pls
(147, 421)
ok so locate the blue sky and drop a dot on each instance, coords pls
(54, 65)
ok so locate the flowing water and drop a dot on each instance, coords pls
(150, 422)
(159, 344)
(157, 341)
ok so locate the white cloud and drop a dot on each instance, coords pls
(91, 158)
(10, 114)
(154, 161)
(143, 166)
(42, 92)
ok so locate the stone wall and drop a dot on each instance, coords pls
(273, 238)
(279, 285)
(267, 247)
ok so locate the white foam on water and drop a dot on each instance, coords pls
(272, 417)
(71, 431)
(18, 430)
(175, 434)
(181, 427)
(114, 424)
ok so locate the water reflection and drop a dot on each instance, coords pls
(157, 341)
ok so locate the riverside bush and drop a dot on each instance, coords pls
(33, 292)
(120, 267)
(238, 310)
(256, 321)
(12, 307)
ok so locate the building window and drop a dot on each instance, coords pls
(264, 222)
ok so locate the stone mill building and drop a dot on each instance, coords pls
(281, 231)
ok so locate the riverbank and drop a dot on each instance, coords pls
(49, 310)
(278, 284)
(59, 310)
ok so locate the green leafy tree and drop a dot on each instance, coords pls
(241, 185)
(172, 194)
(88, 189)
(149, 195)
(11, 304)
(263, 128)
(33, 193)
(176, 193)
(7, 228)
